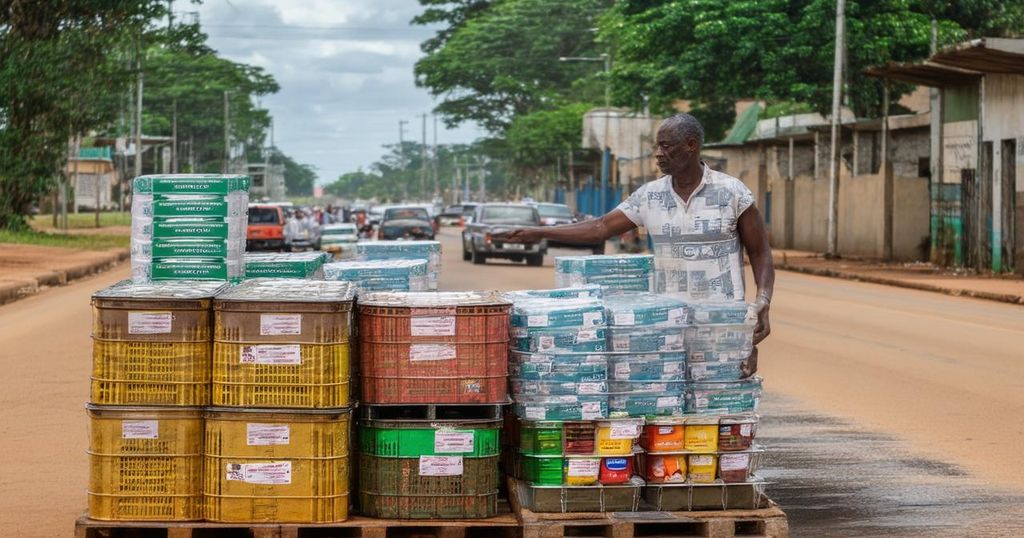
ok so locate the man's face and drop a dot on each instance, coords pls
(672, 153)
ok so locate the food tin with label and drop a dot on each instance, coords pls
(616, 438)
(701, 434)
(663, 437)
(737, 432)
(665, 468)
(701, 468)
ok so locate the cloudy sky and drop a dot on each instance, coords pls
(345, 70)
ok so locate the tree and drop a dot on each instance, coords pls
(498, 61)
(62, 67)
(299, 178)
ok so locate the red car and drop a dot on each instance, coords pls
(266, 228)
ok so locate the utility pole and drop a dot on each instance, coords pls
(935, 160)
(433, 161)
(227, 131)
(837, 96)
(401, 157)
(174, 136)
(423, 157)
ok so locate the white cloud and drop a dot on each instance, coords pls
(343, 90)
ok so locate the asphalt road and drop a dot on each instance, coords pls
(889, 412)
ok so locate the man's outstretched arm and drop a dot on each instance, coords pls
(587, 232)
(754, 238)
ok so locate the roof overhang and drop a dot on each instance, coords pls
(986, 55)
(926, 73)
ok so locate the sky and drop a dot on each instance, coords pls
(345, 70)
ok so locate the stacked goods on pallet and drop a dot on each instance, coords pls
(381, 275)
(277, 438)
(620, 273)
(430, 251)
(189, 227)
(302, 265)
(151, 351)
(433, 377)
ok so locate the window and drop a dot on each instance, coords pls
(264, 215)
(406, 213)
(509, 215)
(554, 211)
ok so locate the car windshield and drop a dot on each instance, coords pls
(406, 213)
(456, 209)
(509, 215)
(554, 211)
(468, 209)
(263, 215)
(342, 229)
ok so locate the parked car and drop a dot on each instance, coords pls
(558, 214)
(266, 227)
(375, 214)
(451, 216)
(339, 239)
(406, 222)
(478, 242)
(467, 213)
(301, 232)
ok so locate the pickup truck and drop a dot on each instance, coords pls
(339, 239)
(406, 222)
(488, 219)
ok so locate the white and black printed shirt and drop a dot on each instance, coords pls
(697, 253)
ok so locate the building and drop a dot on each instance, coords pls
(977, 134)
(94, 177)
(267, 181)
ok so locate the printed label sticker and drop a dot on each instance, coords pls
(267, 434)
(280, 324)
(440, 465)
(580, 467)
(448, 442)
(625, 318)
(149, 322)
(431, 352)
(285, 354)
(538, 320)
(272, 473)
(433, 326)
(140, 429)
(624, 430)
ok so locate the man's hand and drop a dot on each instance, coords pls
(763, 327)
(519, 235)
(749, 366)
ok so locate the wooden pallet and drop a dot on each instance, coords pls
(502, 526)
(769, 522)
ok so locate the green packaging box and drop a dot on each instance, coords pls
(215, 228)
(190, 184)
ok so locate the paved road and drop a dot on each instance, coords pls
(890, 412)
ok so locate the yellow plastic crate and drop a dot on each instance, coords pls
(277, 465)
(312, 376)
(152, 322)
(150, 373)
(145, 463)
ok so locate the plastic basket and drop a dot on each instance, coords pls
(151, 321)
(267, 322)
(281, 375)
(144, 463)
(414, 439)
(277, 465)
(401, 477)
(472, 324)
(150, 373)
(429, 507)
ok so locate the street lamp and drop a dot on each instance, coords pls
(606, 154)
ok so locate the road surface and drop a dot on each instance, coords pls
(888, 412)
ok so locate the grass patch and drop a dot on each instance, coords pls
(83, 220)
(80, 241)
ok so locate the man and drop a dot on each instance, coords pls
(697, 219)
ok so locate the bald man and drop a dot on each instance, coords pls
(698, 220)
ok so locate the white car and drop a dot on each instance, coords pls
(339, 239)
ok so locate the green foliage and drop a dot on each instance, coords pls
(88, 241)
(298, 178)
(62, 66)
(499, 61)
(785, 108)
(534, 139)
(83, 220)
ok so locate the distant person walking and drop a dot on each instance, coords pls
(698, 220)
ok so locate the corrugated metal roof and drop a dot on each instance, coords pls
(743, 127)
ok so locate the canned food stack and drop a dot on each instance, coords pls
(433, 377)
(301, 265)
(619, 273)
(277, 439)
(151, 374)
(189, 227)
(405, 250)
(381, 275)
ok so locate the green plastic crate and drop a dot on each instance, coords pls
(540, 438)
(405, 439)
(541, 470)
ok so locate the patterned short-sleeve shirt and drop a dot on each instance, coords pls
(697, 252)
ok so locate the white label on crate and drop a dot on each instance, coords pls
(440, 465)
(702, 316)
(537, 320)
(624, 430)
(668, 401)
(545, 342)
(702, 402)
(431, 352)
(433, 326)
(586, 336)
(140, 429)
(592, 318)
(536, 413)
(591, 388)
(267, 434)
(671, 367)
(149, 322)
(666, 430)
(698, 370)
(673, 339)
(701, 459)
(677, 316)
(733, 462)
(745, 430)
(625, 318)
(620, 343)
(580, 467)
(449, 442)
(520, 332)
(622, 370)
(285, 354)
(273, 473)
(591, 410)
(280, 324)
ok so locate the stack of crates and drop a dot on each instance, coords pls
(427, 250)
(380, 275)
(150, 379)
(277, 437)
(433, 377)
(301, 265)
